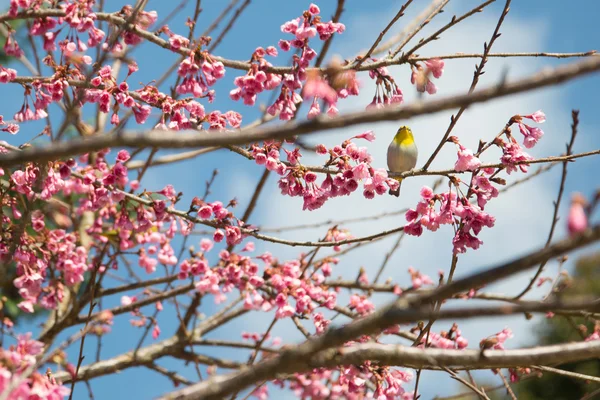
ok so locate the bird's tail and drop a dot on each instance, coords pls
(397, 191)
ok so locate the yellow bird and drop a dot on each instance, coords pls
(402, 154)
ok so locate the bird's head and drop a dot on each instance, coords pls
(404, 136)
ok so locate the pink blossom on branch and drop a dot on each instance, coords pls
(577, 218)
(418, 279)
(496, 342)
(467, 161)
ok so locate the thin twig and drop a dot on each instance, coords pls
(400, 13)
(436, 9)
(453, 22)
(229, 25)
(388, 256)
(410, 27)
(478, 72)
(563, 179)
(474, 388)
(509, 391)
(570, 374)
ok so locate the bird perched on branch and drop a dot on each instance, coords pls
(402, 154)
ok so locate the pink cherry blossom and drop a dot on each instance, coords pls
(577, 219)
(537, 116)
(466, 160)
(436, 66)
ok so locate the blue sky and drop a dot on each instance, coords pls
(523, 214)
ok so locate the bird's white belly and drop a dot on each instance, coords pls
(401, 159)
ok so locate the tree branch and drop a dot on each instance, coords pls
(183, 139)
(397, 355)
(403, 310)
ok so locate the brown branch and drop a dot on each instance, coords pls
(591, 395)
(506, 55)
(207, 360)
(567, 373)
(259, 187)
(300, 327)
(529, 176)
(89, 316)
(141, 303)
(390, 288)
(227, 343)
(331, 222)
(162, 139)
(148, 354)
(397, 355)
(136, 285)
(171, 158)
(506, 384)
(173, 376)
(551, 159)
(471, 386)
(259, 236)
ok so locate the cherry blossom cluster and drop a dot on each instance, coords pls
(304, 28)
(418, 279)
(182, 114)
(19, 381)
(45, 93)
(595, 335)
(337, 83)
(454, 207)
(50, 246)
(288, 283)
(316, 87)
(36, 252)
(7, 127)
(512, 152)
(80, 18)
(257, 79)
(386, 90)
(350, 382)
(336, 234)
(14, 364)
(451, 339)
(421, 75)
(199, 70)
(7, 74)
(435, 210)
(352, 162)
